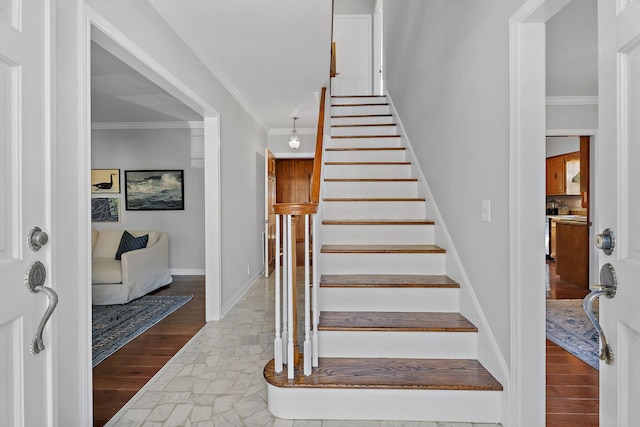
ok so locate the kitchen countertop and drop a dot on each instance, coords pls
(569, 219)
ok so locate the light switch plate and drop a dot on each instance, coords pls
(486, 211)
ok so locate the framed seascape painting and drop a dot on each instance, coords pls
(105, 209)
(154, 190)
(105, 181)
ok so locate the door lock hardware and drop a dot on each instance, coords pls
(607, 287)
(37, 239)
(606, 241)
(35, 280)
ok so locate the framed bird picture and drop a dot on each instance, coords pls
(105, 181)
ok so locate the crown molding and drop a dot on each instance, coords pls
(182, 29)
(287, 131)
(572, 100)
(146, 125)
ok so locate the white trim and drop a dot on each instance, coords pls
(572, 100)
(526, 406)
(572, 132)
(287, 131)
(187, 271)
(146, 125)
(297, 155)
(240, 293)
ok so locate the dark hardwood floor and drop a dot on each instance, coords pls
(571, 391)
(572, 385)
(118, 378)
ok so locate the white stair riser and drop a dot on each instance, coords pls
(361, 120)
(359, 110)
(374, 210)
(388, 263)
(384, 404)
(367, 171)
(363, 130)
(365, 156)
(377, 234)
(376, 189)
(359, 100)
(443, 300)
(371, 142)
(437, 345)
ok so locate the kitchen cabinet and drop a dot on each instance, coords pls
(563, 174)
(572, 252)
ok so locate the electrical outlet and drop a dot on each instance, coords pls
(486, 211)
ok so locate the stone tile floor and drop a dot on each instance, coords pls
(216, 379)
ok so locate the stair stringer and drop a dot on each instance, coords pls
(489, 353)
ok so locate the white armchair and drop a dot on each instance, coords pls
(137, 273)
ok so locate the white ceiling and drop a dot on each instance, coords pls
(273, 56)
(121, 94)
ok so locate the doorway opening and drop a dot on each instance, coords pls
(133, 109)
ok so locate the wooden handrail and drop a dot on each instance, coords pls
(317, 159)
(295, 208)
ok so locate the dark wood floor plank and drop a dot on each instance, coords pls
(119, 377)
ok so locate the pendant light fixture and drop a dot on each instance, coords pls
(294, 141)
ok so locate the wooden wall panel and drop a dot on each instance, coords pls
(293, 185)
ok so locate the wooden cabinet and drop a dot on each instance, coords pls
(556, 180)
(563, 174)
(572, 252)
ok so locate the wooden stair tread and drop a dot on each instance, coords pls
(364, 163)
(364, 125)
(363, 136)
(366, 149)
(352, 116)
(387, 281)
(377, 222)
(366, 104)
(374, 199)
(370, 179)
(394, 321)
(357, 96)
(381, 249)
(384, 373)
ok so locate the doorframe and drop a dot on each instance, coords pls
(136, 57)
(378, 50)
(527, 117)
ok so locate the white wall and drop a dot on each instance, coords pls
(354, 7)
(557, 145)
(572, 50)
(242, 140)
(447, 71)
(278, 143)
(148, 149)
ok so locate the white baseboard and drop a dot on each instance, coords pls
(187, 271)
(240, 293)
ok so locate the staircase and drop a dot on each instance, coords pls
(392, 343)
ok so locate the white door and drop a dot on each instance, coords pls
(352, 35)
(26, 379)
(618, 205)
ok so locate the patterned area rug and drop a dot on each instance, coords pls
(116, 325)
(570, 328)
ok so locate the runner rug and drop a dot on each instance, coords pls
(570, 328)
(115, 325)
